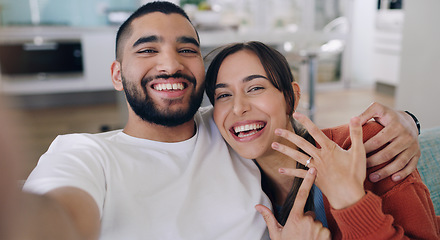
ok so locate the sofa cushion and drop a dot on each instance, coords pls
(429, 163)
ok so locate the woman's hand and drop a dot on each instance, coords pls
(341, 173)
(299, 225)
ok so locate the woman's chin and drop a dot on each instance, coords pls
(250, 154)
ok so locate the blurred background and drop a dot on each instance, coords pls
(55, 57)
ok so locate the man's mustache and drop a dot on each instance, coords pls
(166, 76)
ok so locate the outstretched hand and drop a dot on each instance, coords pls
(341, 173)
(299, 225)
(401, 133)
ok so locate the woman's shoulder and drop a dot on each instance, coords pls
(341, 134)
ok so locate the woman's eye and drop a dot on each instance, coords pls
(220, 96)
(253, 89)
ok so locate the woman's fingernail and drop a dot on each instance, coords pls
(281, 170)
(275, 145)
(312, 170)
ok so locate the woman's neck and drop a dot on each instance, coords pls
(280, 185)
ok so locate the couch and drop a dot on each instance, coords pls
(429, 163)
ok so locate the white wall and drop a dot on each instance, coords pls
(358, 58)
(419, 88)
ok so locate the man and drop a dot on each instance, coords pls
(167, 174)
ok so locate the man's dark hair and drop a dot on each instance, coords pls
(159, 6)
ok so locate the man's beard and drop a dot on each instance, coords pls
(146, 109)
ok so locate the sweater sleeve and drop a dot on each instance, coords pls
(389, 210)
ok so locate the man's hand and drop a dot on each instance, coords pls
(400, 135)
(30, 216)
(9, 169)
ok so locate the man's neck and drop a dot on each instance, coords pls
(142, 129)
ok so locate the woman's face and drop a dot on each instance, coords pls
(248, 108)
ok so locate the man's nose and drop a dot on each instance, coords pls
(169, 62)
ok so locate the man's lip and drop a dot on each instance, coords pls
(169, 85)
(169, 81)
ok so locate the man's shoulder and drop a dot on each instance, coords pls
(81, 140)
(206, 111)
(204, 116)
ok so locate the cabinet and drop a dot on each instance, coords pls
(387, 46)
(97, 50)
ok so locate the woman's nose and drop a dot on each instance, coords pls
(241, 105)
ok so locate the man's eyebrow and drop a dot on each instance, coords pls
(147, 39)
(185, 39)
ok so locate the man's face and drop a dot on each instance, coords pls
(162, 70)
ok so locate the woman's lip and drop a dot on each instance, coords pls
(247, 122)
(250, 135)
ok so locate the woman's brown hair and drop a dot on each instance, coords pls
(278, 71)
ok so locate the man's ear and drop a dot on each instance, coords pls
(297, 94)
(116, 75)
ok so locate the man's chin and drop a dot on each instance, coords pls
(170, 120)
(170, 113)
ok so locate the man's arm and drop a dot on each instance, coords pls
(51, 216)
(80, 208)
(64, 213)
(401, 132)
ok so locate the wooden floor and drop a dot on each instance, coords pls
(41, 126)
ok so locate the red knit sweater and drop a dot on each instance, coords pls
(389, 210)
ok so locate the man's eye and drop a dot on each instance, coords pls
(188, 51)
(147, 51)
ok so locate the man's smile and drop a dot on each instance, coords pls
(169, 86)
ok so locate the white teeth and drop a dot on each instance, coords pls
(242, 135)
(168, 86)
(248, 127)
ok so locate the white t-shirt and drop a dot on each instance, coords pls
(195, 189)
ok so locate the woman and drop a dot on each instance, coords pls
(254, 96)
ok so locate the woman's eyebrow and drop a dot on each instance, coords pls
(252, 77)
(220, 85)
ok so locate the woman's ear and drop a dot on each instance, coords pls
(297, 94)
(116, 76)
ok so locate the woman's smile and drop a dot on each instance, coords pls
(247, 131)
